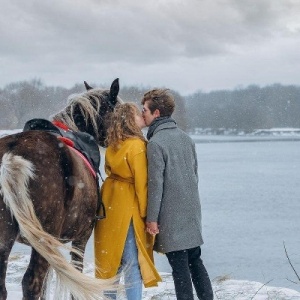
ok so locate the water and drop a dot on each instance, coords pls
(250, 205)
(250, 202)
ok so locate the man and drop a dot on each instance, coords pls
(174, 211)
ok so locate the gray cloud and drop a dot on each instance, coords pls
(67, 39)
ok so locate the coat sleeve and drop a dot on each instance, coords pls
(156, 167)
(139, 170)
(195, 162)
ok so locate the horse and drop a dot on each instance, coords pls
(48, 197)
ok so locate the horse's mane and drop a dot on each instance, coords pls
(88, 103)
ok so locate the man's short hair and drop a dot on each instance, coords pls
(160, 99)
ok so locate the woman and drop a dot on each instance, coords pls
(120, 239)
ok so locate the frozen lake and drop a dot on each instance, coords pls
(250, 195)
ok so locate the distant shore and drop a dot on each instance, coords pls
(243, 138)
(214, 138)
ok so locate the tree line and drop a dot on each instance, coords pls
(22, 101)
(243, 109)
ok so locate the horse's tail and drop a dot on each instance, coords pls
(15, 174)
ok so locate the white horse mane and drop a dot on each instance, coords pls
(89, 104)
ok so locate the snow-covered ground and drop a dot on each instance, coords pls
(7, 132)
(224, 287)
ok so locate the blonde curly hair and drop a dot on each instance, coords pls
(122, 124)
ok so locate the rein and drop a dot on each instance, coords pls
(82, 157)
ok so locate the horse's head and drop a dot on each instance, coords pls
(88, 112)
(103, 102)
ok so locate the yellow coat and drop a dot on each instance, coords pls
(124, 193)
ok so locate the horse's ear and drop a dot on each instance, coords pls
(87, 86)
(114, 91)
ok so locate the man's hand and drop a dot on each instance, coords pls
(152, 228)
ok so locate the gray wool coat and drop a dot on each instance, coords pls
(173, 196)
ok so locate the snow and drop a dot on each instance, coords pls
(224, 287)
(7, 132)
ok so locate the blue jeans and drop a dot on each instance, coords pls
(132, 274)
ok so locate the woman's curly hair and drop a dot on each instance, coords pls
(122, 124)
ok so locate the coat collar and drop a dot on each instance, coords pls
(157, 123)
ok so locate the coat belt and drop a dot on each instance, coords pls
(119, 178)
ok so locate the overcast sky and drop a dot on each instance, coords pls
(186, 45)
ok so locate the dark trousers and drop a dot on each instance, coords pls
(187, 267)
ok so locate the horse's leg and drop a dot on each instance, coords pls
(3, 267)
(9, 231)
(4, 254)
(77, 260)
(33, 279)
